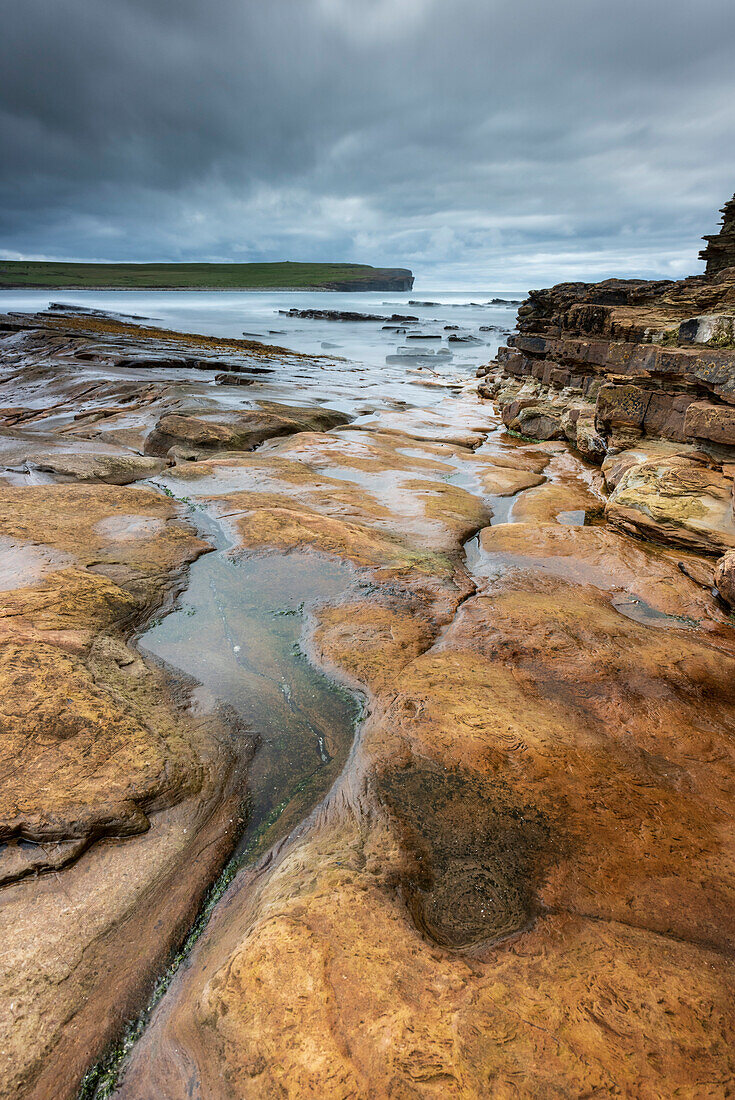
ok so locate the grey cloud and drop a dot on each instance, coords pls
(498, 142)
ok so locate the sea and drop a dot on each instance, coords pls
(454, 329)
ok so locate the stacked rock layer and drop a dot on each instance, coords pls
(640, 377)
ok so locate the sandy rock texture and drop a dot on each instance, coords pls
(522, 882)
(115, 810)
(676, 500)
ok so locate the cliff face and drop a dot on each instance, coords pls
(720, 250)
(384, 279)
(637, 373)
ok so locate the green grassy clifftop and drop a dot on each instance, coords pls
(271, 276)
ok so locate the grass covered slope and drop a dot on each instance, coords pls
(274, 276)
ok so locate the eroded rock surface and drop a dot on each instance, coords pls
(521, 882)
(628, 365)
(519, 855)
(677, 500)
(115, 809)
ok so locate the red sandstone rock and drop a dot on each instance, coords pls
(707, 421)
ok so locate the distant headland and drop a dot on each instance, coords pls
(272, 276)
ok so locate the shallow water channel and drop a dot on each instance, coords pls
(241, 632)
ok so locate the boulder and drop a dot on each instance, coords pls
(588, 440)
(541, 422)
(675, 500)
(512, 410)
(725, 578)
(624, 405)
(616, 464)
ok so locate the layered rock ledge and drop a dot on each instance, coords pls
(639, 377)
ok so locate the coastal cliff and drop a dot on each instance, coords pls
(160, 276)
(720, 250)
(639, 376)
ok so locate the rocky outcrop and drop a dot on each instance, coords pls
(380, 278)
(676, 499)
(342, 315)
(625, 365)
(720, 250)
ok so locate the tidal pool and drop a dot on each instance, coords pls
(240, 632)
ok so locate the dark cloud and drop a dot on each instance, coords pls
(504, 142)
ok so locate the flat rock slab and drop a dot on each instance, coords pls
(238, 431)
(503, 481)
(452, 427)
(111, 469)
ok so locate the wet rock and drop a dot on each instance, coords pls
(123, 808)
(540, 422)
(537, 809)
(241, 431)
(555, 500)
(463, 431)
(343, 315)
(454, 339)
(112, 469)
(588, 440)
(615, 465)
(517, 777)
(700, 571)
(676, 500)
(500, 481)
(227, 378)
(473, 852)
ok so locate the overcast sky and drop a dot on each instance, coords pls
(495, 143)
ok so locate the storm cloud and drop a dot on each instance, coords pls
(496, 143)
